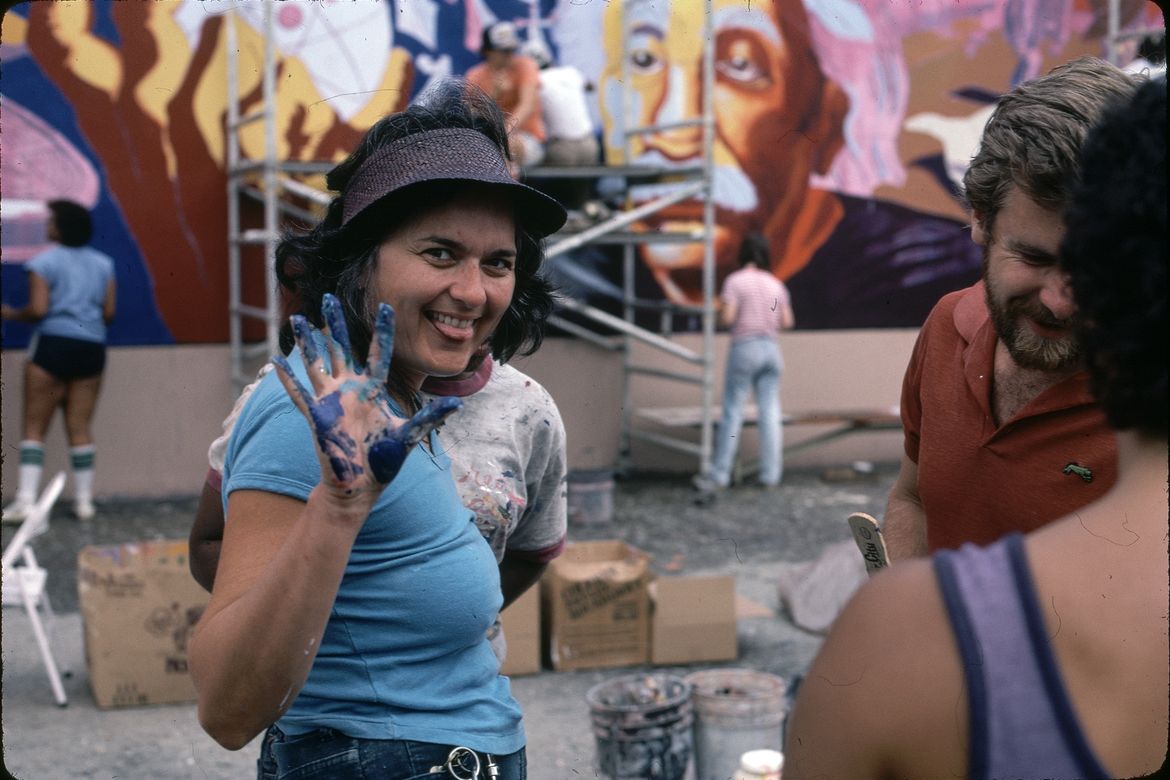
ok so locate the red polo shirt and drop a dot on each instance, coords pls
(977, 481)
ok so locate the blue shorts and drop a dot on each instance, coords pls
(329, 754)
(69, 359)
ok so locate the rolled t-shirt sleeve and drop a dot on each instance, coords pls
(730, 294)
(42, 266)
(785, 298)
(271, 446)
(540, 533)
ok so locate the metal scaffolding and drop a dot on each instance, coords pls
(693, 182)
(1115, 36)
(240, 184)
(268, 181)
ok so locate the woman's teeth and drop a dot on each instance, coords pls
(454, 323)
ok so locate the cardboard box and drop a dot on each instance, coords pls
(596, 606)
(693, 619)
(521, 624)
(139, 605)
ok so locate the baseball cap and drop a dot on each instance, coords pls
(501, 36)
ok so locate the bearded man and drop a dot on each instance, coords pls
(1001, 432)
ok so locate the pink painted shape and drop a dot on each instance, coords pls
(41, 164)
(874, 74)
(289, 16)
(472, 25)
(38, 165)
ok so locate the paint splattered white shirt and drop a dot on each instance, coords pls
(507, 445)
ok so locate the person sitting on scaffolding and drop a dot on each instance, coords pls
(572, 138)
(513, 81)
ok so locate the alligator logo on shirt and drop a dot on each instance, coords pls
(1081, 471)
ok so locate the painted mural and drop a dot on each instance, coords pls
(842, 129)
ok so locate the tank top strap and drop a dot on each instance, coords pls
(1021, 719)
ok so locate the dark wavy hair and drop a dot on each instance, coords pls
(337, 259)
(755, 249)
(1114, 252)
(1033, 139)
(74, 224)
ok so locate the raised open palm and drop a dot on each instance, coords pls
(361, 443)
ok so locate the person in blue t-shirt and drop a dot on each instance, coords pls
(354, 591)
(71, 295)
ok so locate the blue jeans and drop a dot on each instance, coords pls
(330, 755)
(754, 364)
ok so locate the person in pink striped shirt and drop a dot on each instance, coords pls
(756, 306)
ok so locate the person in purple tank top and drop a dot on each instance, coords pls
(1038, 656)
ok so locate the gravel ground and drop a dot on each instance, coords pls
(748, 531)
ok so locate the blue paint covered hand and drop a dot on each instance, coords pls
(361, 443)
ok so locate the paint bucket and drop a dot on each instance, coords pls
(736, 711)
(590, 500)
(643, 726)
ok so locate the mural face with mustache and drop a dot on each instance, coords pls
(778, 120)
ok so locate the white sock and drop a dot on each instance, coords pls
(32, 460)
(81, 458)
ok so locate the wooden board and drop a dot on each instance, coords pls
(868, 537)
(692, 416)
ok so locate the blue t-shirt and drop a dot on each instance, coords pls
(78, 277)
(405, 653)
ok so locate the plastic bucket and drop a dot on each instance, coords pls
(643, 726)
(590, 499)
(736, 711)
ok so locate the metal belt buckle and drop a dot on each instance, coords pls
(458, 762)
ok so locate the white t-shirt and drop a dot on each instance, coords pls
(507, 451)
(562, 103)
(507, 448)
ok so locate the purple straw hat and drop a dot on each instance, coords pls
(454, 155)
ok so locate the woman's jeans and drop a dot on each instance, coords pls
(330, 755)
(754, 364)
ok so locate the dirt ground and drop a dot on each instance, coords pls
(748, 532)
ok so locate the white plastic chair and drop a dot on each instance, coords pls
(24, 580)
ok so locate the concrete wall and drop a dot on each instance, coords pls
(161, 407)
(823, 371)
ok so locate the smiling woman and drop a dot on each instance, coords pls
(449, 274)
(444, 153)
(354, 592)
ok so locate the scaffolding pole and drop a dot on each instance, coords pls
(240, 172)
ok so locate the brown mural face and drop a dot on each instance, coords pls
(777, 121)
(153, 110)
(841, 129)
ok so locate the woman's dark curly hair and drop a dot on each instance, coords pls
(337, 259)
(1114, 252)
(755, 249)
(74, 224)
